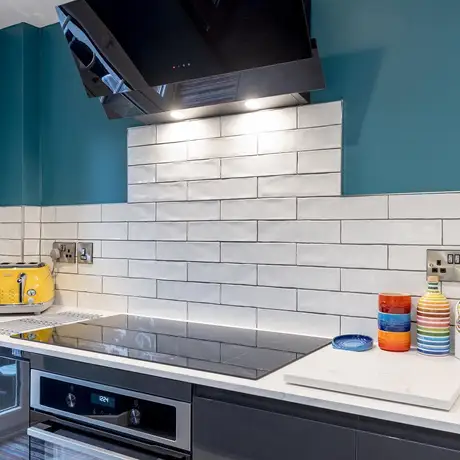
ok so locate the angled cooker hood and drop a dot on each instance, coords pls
(157, 59)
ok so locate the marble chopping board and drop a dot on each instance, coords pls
(399, 377)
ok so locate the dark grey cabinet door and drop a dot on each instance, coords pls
(379, 447)
(224, 431)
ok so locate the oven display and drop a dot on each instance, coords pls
(102, 400)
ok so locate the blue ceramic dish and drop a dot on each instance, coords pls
(353, 342)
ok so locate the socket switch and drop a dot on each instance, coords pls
(445, 264)
(66, 251)
(85, 253)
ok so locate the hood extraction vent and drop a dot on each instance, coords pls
(148, 58)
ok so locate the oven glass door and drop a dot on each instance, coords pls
(53, 441)
(14, 408)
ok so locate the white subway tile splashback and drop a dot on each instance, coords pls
(160, 231)
(11, 214)
(364, 326)
(48, 214)
(299, 323)
(222, 273)
(320, 161)
(188, 251)
(31, 214)
(31, 231)
(451, 232)
(188, 130)
(112, 303)
(142, 135)
(259, 296)
(222, 231)
(328, 137)
(342, 255)
(222, 147)
(300, 185)
(59, 231)
(263, 209)
(103, 231)
(142, 174)
(129, 287)
(159, 308)
(193, 292)
(152, 154)
(145, 193)
(81, 283)
(299, 277)
(82, 213)
(259, 253)
(259, 122)
(392, 231)
(174, 271)
(128, 250)
(223, 315)
(66, 298)
(31, 247)
(222, 189)
(300, 231)
(125, 212)
(13, 247)
(262, 165)
(425, 206)
(197, 210)
(409, 257)
(107, 267)
(188, 170)
(312, 115)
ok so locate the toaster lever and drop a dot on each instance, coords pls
(21, 282)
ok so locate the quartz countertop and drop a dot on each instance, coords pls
(271, 386)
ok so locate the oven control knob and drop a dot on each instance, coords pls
(134, 417)
(71, 400)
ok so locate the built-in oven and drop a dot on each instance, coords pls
(75, 419)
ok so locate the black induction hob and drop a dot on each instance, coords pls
(245, 353)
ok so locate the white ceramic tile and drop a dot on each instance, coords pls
(224, 315)
(363, 207)
(451, 232)
(298, 323)
(223, 189)
(140, 231)
(451, 290)
(32, 213)
(145, 193)
(104, 231)
(338, 303)
(193, 292)
(392, 231)
(31, 247)
(174, 271)
(157, 308)
(425, 206)
(14, 259)
(142, 135)
(48, 214)
(300, 185)
(129, 286)
(364, 326)
(258, 296)
(188, 170)
(32, 231)
(260, 165)
(10, 231)
(376, 281)
(188, 251)
(125, 212)
(259, 253)
(342, 255)
(66, 298)
(83, 213)
(84, 283)
(107, 267)
(258, 122)
(196, 210)
(188, 130)
(320, 161)
(299, 277)
(312, 115)
(300, 231)
(128, 250)
(328, 137)
(142, 174)
(113, 303)
(14, 247)
(152, 154)
(222, 273)
(410, 257)
(10, 214)
(222, 231)
(264, 209)
(222, 147)
(59, 231)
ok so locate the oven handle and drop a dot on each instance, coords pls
(77, 446)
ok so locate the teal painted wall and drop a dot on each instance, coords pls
(84, 154)
(396, 64)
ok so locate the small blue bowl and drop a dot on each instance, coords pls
(353, 342)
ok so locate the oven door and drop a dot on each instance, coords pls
(61, 440)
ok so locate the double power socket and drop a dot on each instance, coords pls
(71, 253)
(445, 264)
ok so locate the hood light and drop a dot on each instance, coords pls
(252, 104)
(177, 115)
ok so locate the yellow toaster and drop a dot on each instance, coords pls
(25, 287)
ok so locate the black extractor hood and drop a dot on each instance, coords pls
(156, 60)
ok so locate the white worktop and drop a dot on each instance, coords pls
(271, 386)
